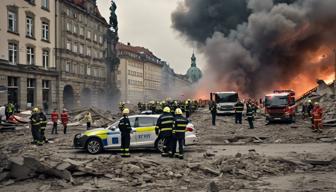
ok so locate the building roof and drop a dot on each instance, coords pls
(194, 73)
(141, 52)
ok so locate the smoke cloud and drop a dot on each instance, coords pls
(254, 46)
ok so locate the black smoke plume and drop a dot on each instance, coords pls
(255, 46)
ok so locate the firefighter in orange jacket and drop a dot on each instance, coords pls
(317, 118)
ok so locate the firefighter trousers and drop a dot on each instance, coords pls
(178, 137)
(250, 121)
(125, 143)
(213, 115)
(238, 118)
(167, 137)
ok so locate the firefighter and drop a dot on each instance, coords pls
(9, 110)
(239, 108)
(249, 114)
(309, 110)
(43, 124)
(125, 129)
(88, 120)
(65, 120)
(164, 128)
(179, 133)
(304, 110)
(54, 119)
(317, 118)
(213, 110)
(35, 121)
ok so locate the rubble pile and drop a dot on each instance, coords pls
(100, 118)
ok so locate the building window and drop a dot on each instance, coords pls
(75, 48)
(75, 29)
(101, 39)
(30, 56)
(81, 48)
(45, 84)
(12, 53)
(31, 1)
(45, 4)
(30, 26)
(68, 27)
(68, 45)
(95, 37)
(45, 94)
(30, 92)
(81, 31)
(12, 21)
(45, 31)
(88, 51)
(88, 70)
(67, 66)
(45, 59)
(81, 69)
(88, 35)
(12, 90)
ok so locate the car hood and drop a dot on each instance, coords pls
(98, 131)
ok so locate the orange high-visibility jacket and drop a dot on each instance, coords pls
(317, 113)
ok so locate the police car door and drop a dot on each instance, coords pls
(114, 135)
(145, 131)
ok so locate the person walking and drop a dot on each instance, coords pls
(35, 122)
(239, 108)
(249, 114)
(125, 129)
(10, 108)
(54, 119)
(65, 120)
(163, 129)
(179, 133)
(88, 120)
(213, 110)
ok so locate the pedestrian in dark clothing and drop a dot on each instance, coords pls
(239, 108)
(188, 108)
(125, 129)
(179, 133)
(249, 115)
(164, 128)
(213, 110)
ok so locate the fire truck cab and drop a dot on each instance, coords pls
(280, 106)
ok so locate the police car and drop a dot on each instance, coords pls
(142, 136)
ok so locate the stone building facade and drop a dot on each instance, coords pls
(27, 54)
(139, 74)
(81, 54)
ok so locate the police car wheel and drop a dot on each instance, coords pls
(159, 144)
(94, 146)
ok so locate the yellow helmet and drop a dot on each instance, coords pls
(178, 111)
(166, 110)
(126, 111)
(35, 110)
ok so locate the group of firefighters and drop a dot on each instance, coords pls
(39, 122)
(251, 109)
(170, 128)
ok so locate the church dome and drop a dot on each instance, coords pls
(194, 74)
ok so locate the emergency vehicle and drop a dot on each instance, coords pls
(225, 101)
(142, 136)
(280, 106)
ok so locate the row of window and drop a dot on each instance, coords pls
(30, 24)
(44, 3)
(13, 55)
(151, 84)
(135, 73)
(80, 18)
(79, 48)
(82, 69)
(80, 31)
(137, 65)
(13, 82)
(135, 82)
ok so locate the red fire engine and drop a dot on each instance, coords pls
(280, 106)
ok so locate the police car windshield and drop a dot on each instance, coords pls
(226, 97)
(276, 101)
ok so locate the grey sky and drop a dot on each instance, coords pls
(148, 23)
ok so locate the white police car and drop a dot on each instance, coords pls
(142, 136)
